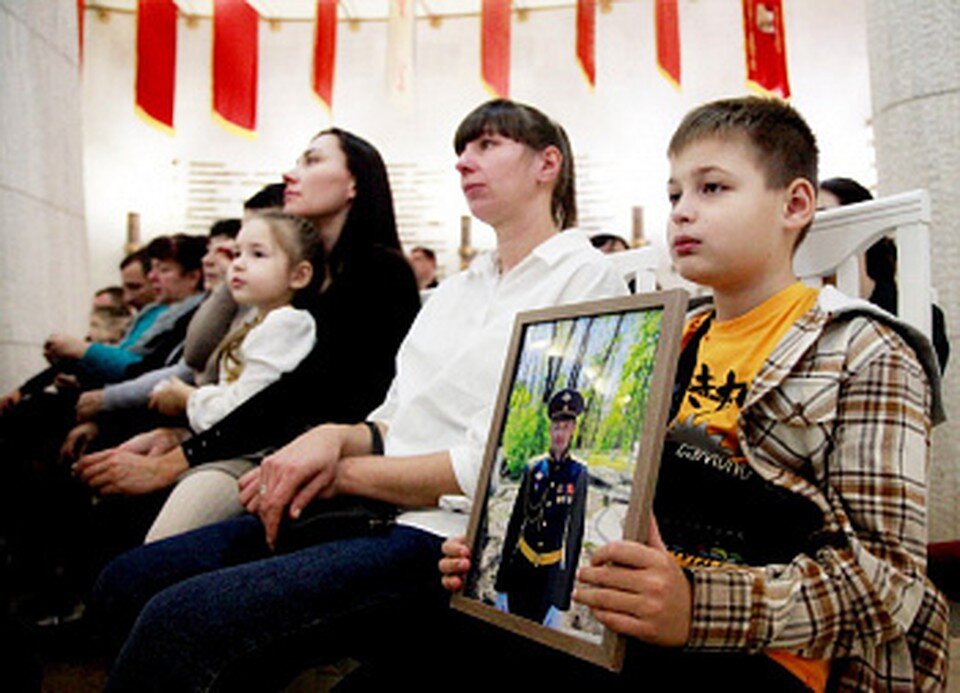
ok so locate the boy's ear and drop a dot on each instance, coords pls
(551, 160)
(800, 204)
(301, 275)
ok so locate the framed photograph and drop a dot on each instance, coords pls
(571, 462)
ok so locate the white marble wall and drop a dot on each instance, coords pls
(914, 48)
(43, 248)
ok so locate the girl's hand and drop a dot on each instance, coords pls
(170, 398)
(638, 590)
(455, 563)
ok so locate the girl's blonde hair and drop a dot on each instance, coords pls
(301, 241)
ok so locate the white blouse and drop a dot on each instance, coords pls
(274, 347)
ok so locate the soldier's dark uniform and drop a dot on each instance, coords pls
(542, 544)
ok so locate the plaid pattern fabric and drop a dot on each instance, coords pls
(840, 413)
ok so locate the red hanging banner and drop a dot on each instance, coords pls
(586, 39)
(156, 61)
(325, 51)
(766, 49)
(80, 28)
(235, 65)
(667, 23)
(495, 46)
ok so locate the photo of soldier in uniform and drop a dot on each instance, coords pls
(545, 532)
(562, 472)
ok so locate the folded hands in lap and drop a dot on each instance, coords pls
(292, 477)
(145, 463)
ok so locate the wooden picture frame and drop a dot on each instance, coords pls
(536, 517)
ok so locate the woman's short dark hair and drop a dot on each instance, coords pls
(370, 220)
(846, 190)
(527, 125)
(186, 250)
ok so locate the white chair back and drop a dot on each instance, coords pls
(638, 265)
(839, 235)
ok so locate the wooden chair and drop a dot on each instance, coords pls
(638, 265)
(838, 236)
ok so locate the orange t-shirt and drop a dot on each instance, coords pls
(729, 357)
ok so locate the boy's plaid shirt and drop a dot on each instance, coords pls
(841, 413)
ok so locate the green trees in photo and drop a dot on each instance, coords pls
(609, 359)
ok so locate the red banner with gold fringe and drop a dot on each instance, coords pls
(586, 39)
(495, 46)
(156, 61)
(325, 51)
(80, 4)
(765, 44)
(235, 65)
(667, 23)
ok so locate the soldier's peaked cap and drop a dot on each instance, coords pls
(565, 404)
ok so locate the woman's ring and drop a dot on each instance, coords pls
(263, 489)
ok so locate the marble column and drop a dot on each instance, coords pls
(914, 48)
(43, 246)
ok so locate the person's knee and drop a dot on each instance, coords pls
(117, 599)
(198, 500)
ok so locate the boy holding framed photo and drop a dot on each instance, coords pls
(791, 500)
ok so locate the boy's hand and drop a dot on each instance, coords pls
(455, 563)
(638, 590)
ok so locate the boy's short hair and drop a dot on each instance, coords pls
(785, 145)
(139, 256)
(225, 227)
(427, 253)
(111, 297)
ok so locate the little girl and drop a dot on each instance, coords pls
(278, 263)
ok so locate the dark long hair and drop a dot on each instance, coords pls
(527, 125)
(370, 220)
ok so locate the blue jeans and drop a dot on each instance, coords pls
(218, 610)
